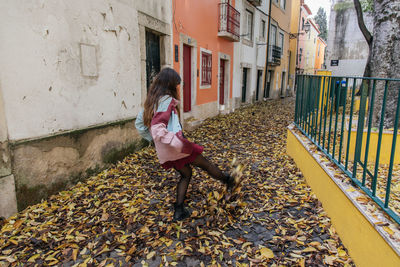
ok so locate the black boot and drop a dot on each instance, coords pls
(180, 213)
(230, 182)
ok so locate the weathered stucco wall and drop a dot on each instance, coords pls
(71, 84)
(8, 203)
(70, 64)
(45, 166)
(345, 40)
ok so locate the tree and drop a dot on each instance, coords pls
(322, 22)
(384, 59)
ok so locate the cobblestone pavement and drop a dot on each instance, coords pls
(122, 216)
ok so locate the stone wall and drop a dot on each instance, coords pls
(345, 40)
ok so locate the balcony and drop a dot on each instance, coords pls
(255, 2)
(229, 22)
(274, 55)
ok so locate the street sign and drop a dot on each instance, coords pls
(335, 62)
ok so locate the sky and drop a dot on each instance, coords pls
(315, 4)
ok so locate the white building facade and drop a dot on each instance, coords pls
(250, 51)
(73, 75)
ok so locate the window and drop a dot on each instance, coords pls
(319, 48)
(281, 42)
(273, 35)
(300, 54)
(262, 29)
(283, 4)
(302, 23)
(206, 68)
(249, 25)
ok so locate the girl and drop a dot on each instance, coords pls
(160, 122)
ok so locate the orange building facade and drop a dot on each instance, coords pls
(203, 36)
(320, 54)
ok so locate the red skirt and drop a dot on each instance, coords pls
(179, 163)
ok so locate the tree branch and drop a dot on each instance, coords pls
(361, 23)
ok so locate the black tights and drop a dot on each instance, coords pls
(186, 174)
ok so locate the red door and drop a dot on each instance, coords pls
(222, 82)
(187, 83)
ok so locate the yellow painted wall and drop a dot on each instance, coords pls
(364, 243)
(386, 147)
(309, 50)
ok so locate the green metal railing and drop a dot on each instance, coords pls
(329, 109)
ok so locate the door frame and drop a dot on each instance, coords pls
(189, 41)
(259, 83)
(146, 22)
(227, 81)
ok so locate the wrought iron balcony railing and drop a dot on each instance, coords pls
(256, 2)
(229, 22)
(274, 55)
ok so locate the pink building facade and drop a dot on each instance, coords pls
(305, 12)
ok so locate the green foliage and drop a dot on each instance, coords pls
(367, 5)
(343, 5)
(322, 22)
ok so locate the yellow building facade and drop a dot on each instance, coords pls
(310, 47)
(278, 73)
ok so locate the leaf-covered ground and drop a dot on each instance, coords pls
(122, 217)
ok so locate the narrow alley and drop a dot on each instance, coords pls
(123, 216)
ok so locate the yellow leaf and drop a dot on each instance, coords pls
(246, 244)
(74, 254)
(315, 243)
(17, 224)
(341, 252)
(309, 249)
(329, 259)
(266, 253)
(388, 230)
(150, 255)
(33, 258)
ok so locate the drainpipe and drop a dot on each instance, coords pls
(297, 49)
(266, 60)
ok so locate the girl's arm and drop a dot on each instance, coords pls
(141, 128)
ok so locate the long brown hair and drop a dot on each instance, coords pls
(165, 83)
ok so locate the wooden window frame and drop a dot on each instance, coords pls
(206, 69)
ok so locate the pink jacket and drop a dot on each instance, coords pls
(166, 132)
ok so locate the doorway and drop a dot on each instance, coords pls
(268, 84)
(259, 77)
(283, 89)
(153, 62)
(187, 81)
(244, 85)
(222, 64)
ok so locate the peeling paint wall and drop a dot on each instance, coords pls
(345, 40)
(71, 84)
(70, 64)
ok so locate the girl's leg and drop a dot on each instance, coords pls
(183, 184)
(209, 167)
(181, 188)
